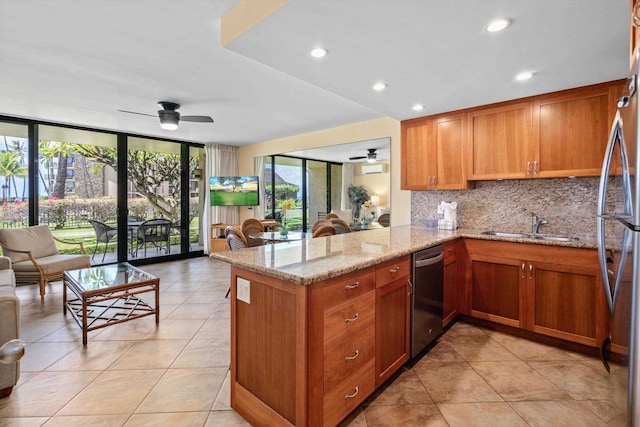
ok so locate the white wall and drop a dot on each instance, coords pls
(400, 200)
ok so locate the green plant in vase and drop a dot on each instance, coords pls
(284, 206)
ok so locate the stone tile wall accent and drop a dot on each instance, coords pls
(569, 204)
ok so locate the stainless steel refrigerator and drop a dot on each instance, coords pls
(619, 237)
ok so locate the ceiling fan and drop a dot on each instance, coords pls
(169, 117)
(371, 156)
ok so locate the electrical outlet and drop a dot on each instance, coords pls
(243, 290)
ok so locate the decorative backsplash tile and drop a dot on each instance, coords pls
(568, 204)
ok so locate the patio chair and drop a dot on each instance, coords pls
(155, 231)
(104, 234)
(34, 255)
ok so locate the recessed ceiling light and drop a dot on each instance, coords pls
(498, 25)
(418, 107)
(525, 75)
(319, 52)
(379, 86)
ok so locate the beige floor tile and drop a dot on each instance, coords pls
(113, 392)
(481, 414)
(355, 419)
(443, 351)
(223, 399)
(98, 355)
(406, 389)
(87, 421)
(150, 354)
(517, 381)
(225, 418)
(133, 330)
(45, 394)
(33, 331)
(191, 311)
(530, 350)
(39, 356)
(455, 382)
(203, 354)
(404, 415)
(557, 413)
(184, 390)
(23, 422)
(170, 329)
(215, 330)
(480, 348)
(182, 419)
(579, 381)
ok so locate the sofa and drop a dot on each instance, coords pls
(34, 255)
(10, 321)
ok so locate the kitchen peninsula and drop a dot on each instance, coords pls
(317, 325)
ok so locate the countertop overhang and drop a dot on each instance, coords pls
(308, 261)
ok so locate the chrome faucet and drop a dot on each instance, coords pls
(536, 223)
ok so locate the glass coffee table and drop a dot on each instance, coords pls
(109, 294)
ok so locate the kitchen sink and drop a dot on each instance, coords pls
(531, 236)
(504, 234)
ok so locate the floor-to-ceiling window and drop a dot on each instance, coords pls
(73, 180)
(300, 191)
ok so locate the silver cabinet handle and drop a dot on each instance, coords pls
(353, 319)
(355, 285)
(522, 269)
(530, 271)
(394, 270)
(528, 168)
(535, 167)
(355, 393)
(347, 358)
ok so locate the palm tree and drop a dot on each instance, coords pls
(10, 167)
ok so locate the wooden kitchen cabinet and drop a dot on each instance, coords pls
(498, 140)
(571, 130)
(453, 293)
(393, 305)
(431, 151)
(550, 290)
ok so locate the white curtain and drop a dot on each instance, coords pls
(348, 175)
(222, 160)
(258, 169)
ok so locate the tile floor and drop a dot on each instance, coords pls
(135, 374)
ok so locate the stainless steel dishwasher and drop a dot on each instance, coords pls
(427, 276)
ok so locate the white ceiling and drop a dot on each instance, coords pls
(79, 62)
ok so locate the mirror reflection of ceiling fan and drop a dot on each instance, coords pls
(169, 116)
(371, 156)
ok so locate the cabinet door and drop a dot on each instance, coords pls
(450, 285)
(392, 328)
(418, 156)
(571, 132)
(448, 132)
(498, 142)
(566, 302)
(497, 290)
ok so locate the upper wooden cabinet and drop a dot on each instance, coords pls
(570, 131)
(432, 153)
(555, 135)
(498, 141)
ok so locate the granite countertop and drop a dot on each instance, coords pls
(311, 260)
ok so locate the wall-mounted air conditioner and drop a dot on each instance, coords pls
(368, 169)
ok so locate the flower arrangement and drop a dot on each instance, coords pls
(284, 206)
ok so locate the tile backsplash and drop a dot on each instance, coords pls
(568, 204)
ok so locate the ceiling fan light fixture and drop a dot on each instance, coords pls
(169, 119)
(371, 156)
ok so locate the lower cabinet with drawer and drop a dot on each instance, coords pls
(309, 355)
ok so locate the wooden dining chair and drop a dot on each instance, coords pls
(340, 225)
(252, 226)
(324, 230)
(235, 240)
(319, 223)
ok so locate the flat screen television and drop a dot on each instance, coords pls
(234, 191)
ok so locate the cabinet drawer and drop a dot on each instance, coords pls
(347, 356)
(349, 287)
(347, 395)
(391, 270)
(348, 319)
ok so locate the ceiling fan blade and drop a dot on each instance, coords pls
(141, 114)
(357, 157)
(199, 119)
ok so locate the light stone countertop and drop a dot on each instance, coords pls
(312, 260)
